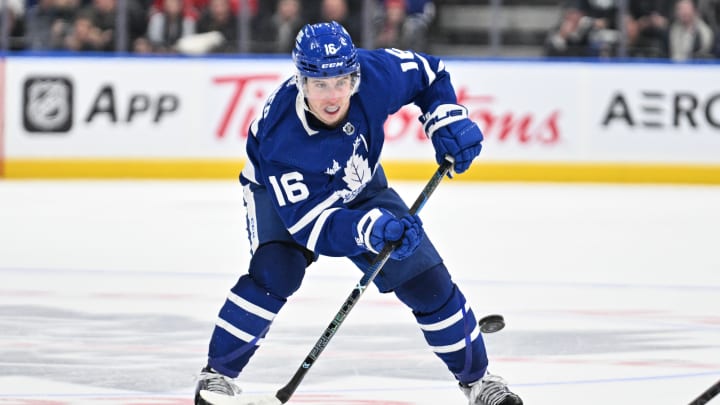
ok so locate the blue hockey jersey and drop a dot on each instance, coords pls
(313, 172)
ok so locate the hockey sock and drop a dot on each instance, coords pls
(276, 271)
(454, 335)
(447, 322)
(242, 324)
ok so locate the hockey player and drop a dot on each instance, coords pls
(313, 185)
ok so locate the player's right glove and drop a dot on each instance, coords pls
(452, 133)
(380, 227)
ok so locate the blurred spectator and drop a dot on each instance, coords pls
(339, 10)
(39, 20)
(570, 38)
(604, 36)
(218, 16)
(276, 32)
(65, 12)
(603, 12)
(48, 22)
(142, 45)
(689, 36)
(193, 8)
(404, 24)
(84, 36)
(710, 12)
(652, 20)
(13, 13)
(265, 8)
(390, 25)
(169, 25)
(420, 14)
(311, 10)
(104, 16)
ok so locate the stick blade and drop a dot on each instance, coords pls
(218, 399)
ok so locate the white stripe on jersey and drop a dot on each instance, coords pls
(445, 323)
(249, 172)
(317, 228)
(244, 336)
(250, 307)
(428, 70)
(254, 127)
(313, 213)
(300, 109)
(252, 229)
(458, 345)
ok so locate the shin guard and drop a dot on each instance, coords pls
(242, 324)
(453, 334)
(276, 272)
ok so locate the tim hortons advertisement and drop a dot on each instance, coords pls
(201, 108)
(516, 126)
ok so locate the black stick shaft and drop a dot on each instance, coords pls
(708, 395)
(377, 264)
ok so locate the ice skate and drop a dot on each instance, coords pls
(213, 384)
(490, 390)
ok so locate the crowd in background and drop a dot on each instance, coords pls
(203, 26)
(675, 29)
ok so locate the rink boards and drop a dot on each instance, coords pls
(186, 118)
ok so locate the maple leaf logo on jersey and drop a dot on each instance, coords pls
(357, 173)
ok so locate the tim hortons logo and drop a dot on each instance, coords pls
(250, 91)
(246, 100)
(505, 127)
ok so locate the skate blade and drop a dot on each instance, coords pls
(217, 399)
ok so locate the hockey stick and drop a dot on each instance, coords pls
(708, 395)
(283, 394)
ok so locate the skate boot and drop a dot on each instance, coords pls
(215, 383)
(490, 390)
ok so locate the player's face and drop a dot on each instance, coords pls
(329, 99)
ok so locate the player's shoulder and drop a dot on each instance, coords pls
(374, 61)
(279, 105)
(283, 96)
(389, 63)
(378, 70)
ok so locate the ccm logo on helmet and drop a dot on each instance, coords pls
(331, 65)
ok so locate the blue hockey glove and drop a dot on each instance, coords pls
(382, 227)
(452, 133)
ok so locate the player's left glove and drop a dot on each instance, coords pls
(379, 227)
(452, 133)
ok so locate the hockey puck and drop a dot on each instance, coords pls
(491, 323)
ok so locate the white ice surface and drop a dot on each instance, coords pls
(109, 291)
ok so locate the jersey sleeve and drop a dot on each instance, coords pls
(412, 77)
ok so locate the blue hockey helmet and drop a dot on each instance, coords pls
(325, 50)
